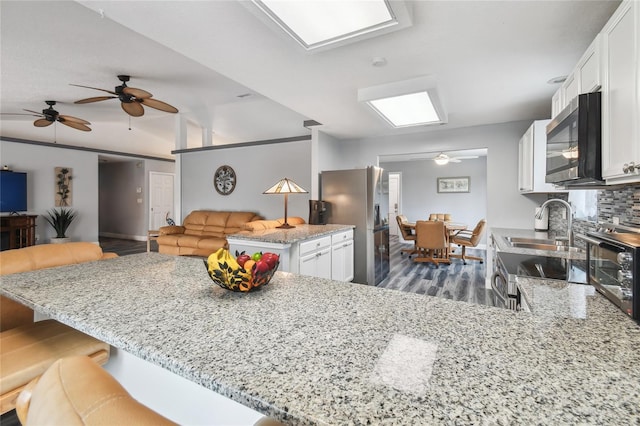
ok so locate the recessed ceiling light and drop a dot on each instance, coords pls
(406, 103)
(315, 24)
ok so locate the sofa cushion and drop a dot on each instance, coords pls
(259, 225)
(28, 350)
(47, 256)
(76, 391)
(212, 244)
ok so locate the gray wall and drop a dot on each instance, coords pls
(39, 163)
(420, 196)
(120, 213)
(257, 168)
(506, 207)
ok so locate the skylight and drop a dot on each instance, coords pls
(315, 23)
(406, 103)
(407, 110)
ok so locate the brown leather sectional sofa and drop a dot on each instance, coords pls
(28, 348)
(203, 232)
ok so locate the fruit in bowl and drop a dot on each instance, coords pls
(241, 272)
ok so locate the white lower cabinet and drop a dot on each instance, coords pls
(315, 257)
(342, 256)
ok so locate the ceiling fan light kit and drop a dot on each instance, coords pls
(131, 99)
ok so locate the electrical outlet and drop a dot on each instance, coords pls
(139, 200)
(37, 237)
(564, 213)
(615, 220)
(139, 190)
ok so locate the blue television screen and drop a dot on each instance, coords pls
(13, 192)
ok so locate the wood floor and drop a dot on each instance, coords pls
(455, 281)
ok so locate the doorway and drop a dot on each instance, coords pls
(395, 180)
(161, 189)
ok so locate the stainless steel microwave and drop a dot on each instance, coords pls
(574, 143)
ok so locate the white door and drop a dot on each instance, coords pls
(160, 198)
(394, 202)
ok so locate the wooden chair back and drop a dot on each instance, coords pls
(404, 229)
(441, 216)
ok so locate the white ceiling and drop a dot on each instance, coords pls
(491, 59)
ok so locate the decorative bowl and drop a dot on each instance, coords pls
(238, 279)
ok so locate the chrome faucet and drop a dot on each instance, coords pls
(569, 215)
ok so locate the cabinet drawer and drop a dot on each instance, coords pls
(342, 236)
(313, 245)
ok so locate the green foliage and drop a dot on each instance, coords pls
(60, 220)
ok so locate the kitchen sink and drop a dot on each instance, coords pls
(542, 244)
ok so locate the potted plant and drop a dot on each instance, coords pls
(60, 220)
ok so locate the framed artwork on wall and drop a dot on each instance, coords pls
(63, 186)
(453, 184)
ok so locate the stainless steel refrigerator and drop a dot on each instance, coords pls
(355, 197)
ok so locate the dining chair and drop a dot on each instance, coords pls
(407, 234)
(441, 216)
(432, 242)
(467, 238)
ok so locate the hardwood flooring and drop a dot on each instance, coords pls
(455, 281)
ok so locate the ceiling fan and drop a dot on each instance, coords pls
(442, 158)
(50, 115)
(131, 98)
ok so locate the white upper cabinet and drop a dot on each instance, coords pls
(532, 160)
(588, 69)
(557, 102)
(621, 95)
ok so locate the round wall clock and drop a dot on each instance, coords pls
(224, 180)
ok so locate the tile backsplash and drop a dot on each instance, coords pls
(621, 202)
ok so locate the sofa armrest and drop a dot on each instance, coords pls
(109, 255)
(171, 229)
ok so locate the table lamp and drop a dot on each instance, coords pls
(286, 187)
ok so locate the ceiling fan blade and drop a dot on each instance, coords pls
(162, 106)
(138, 93)
(454, 160)
(42, 122)
(70, 118)
(95, 99)
(95, 88)
(39, 114)
(19, 113)
(134, 109)
(75, 125)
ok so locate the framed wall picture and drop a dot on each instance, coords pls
(453, 184)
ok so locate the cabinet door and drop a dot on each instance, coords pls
(571, 88)
(342, 261)
(589, 68)
(316, 264)
(556, 103)
(525, 161)
(620, 96)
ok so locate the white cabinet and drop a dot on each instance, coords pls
(315, 257)
(585, 78)
(342, 256)
(532, 164)
(557, 102)
(588, 69)
(621, 95)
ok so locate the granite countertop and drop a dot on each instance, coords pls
(500, 237)
(291, 235)
(312, 351)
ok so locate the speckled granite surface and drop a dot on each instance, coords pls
(292, 235)
(313, 351)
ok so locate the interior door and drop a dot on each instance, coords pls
(394, 202)
(160, 198)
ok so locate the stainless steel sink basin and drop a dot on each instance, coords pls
(542, 244)
(549, 247)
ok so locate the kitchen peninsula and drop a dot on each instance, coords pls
(307, 350)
